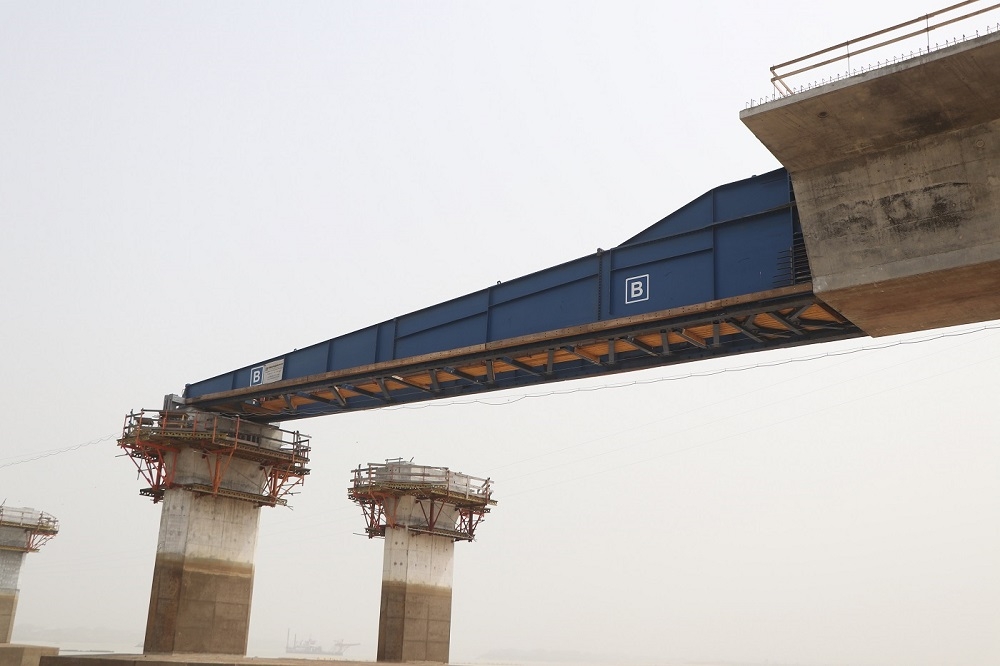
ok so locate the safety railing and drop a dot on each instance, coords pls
(214, 427)
(882, 39)
(398, 473)
(28, 518)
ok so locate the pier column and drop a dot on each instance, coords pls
(421, 511)
(10, 569)
(415, 616)
(203, 576)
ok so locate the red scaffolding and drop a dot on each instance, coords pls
(379, 487)
(154, 439)
(38, 527)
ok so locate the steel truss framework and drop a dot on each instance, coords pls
(787, 317)
(154, 439)
(379, 498)
(38, 527)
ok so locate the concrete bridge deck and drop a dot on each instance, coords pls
(896, 174)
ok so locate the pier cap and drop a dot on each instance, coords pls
(25, 529)
(420, 498)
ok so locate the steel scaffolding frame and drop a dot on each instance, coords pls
(154, 438)
(38, 527)
(433, 488)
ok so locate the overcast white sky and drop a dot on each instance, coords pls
(186, 188)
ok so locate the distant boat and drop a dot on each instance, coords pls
(308, 646)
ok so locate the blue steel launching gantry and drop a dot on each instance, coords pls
(726, 274)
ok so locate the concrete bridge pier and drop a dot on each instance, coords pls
(212, 474)
(22, 531)
(421, 512)
(203, 575)
(415, 613)
(10, 570)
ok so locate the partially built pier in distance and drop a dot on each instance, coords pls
(22, 530)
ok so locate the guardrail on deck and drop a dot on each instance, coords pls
(871, 42)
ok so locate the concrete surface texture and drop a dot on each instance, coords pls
(10, 571)
(415, 613)
(14, 537)
(10, 568)
(243, 476)
(24, 655)
(895, 174)
(408, 511)
(203, 575)
(8, 608)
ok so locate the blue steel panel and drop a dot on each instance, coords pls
(443, 313)
(664, 248)
(560, 307)
(215, 384)
(748, 253)
(676, 255)
(571, 271)
(726, 202)
(450, 335)
(747, 197)
(242, 376)
(353, 349)
(386, 341)
(695, 215)
(671, 283)
(306, 361)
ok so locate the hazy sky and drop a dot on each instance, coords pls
(186, 188)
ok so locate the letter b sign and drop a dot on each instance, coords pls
(637, 289)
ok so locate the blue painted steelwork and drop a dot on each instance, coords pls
(733, 240)
(725, 274)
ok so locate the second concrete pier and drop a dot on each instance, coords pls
(421, 511)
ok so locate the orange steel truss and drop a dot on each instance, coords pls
(154, 439)
(38, 527)
(378, 488)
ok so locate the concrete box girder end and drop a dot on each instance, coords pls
(897, 181)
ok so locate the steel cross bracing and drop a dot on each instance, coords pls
(781, 318)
